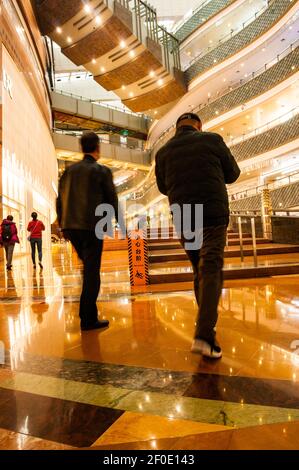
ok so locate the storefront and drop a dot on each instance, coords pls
(28, 166)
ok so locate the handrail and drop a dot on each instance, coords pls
(239, 83)
(100, 103)
(256, 190)
(146, 16)
(265, 127)
(230, 35)
(182, 22)
(102, 139)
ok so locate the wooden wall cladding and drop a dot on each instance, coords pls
(157, 98)
(99, 42)
(53, 13)
(130, 72)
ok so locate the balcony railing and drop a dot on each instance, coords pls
(226, 37)
(233, 43)
(268, 137)
(257, 190)
(265, 127)
(243, 90)
(103, 104)
(199, 16)
(257, 83)
(283, 199)
(146, 26)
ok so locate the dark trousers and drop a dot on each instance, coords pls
(89, 250)
(9, 249)
(208, 279)
(36, 243)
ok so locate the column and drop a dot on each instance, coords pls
(266, 214)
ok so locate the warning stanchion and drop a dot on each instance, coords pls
(138, 258)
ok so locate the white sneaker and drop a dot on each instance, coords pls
(199, 346)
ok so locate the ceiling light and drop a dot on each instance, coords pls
(160, 82)
(156, 112)
(131, 94)
(69, 39)
(132, 53)
(98, 20)
(87, 9)
(94, 61)
(122, 44)
(103, 69)
(58, 30)
(152, 73)
(222, 128)
(123, 87)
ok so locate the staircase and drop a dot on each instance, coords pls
(169, 262)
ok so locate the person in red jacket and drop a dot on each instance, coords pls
(36, 227)
(8, 239)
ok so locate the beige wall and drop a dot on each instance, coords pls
(29, 166)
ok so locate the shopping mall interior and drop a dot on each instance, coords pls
(126, 70)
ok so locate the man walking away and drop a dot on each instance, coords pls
(194, 168)
(8, 239)
(82, 188)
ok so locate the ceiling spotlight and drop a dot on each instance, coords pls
(160, 82)
(152, 73)
(58, 30)
(131, 94)
(132, 53)
(122, 44)
(103, 69)
(98, 20)
(87, 9)
(69, 39)
(94, 61)
(123, 87)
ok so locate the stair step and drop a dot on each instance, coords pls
(173, 245)
(181, 255)
(236, 273)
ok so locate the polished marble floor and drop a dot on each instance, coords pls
(136, 384)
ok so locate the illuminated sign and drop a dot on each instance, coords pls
(7, 82)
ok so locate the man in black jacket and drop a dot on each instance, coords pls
(194, 168)
(82, 188)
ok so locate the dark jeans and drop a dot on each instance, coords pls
(208, 279)
(9, 249)
(36, 243)
(89, 250)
